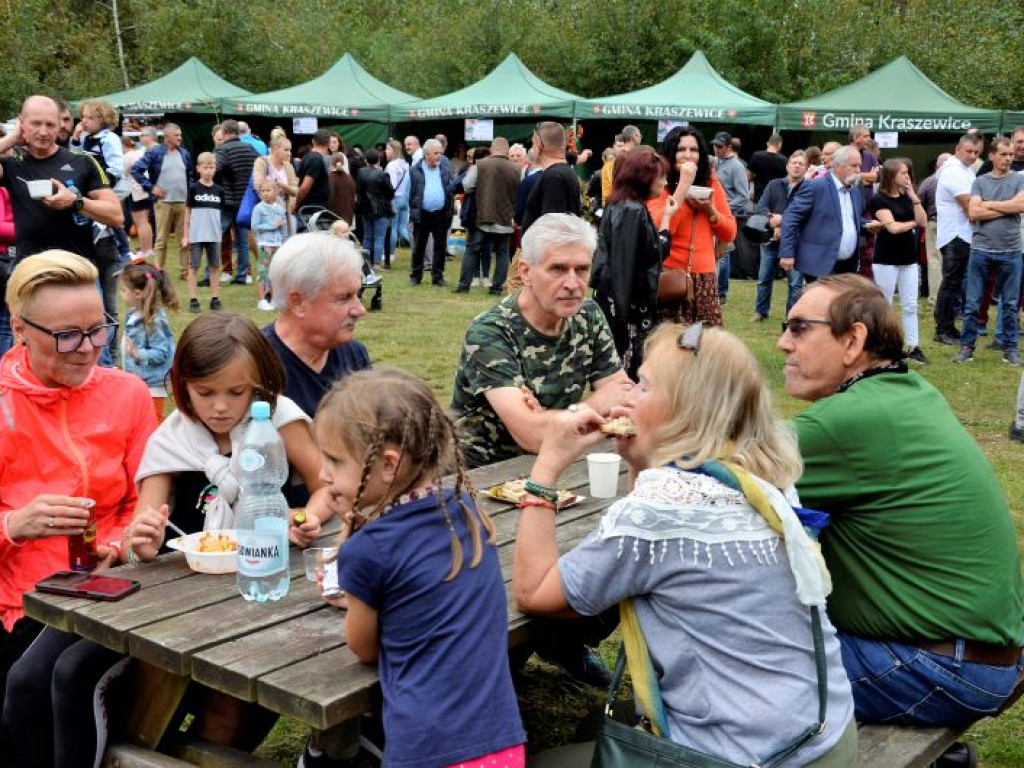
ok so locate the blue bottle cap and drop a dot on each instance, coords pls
(260, 410)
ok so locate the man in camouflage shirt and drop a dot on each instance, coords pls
(547, 338)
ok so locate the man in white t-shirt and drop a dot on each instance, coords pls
(954, 233)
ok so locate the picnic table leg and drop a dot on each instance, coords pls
(155, 696)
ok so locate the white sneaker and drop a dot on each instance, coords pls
(248, 279)
(225, 277)
(485, 282)
(265, 306)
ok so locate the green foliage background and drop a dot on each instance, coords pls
(777, 50)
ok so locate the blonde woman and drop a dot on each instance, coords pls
(78, 473)
(722, 590)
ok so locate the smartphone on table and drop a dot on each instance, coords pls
(88, 585)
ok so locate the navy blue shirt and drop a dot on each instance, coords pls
(448, 693)
(308, 387)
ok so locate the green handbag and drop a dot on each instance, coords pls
(623, 746)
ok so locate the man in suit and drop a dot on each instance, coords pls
(821, 226)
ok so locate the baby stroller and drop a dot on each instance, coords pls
(317, 219)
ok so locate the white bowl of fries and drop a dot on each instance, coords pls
(209, 551)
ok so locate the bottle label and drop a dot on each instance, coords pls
(251, 460)
(263, 551)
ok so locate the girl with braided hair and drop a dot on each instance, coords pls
(418, 562)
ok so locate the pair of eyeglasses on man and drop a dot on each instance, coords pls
(798, 326)
(71, 339)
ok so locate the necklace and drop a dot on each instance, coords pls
(411, 496)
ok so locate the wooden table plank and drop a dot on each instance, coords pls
(170, 644)
(235, 666)
(321, 691)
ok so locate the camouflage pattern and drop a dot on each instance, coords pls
(503, 350)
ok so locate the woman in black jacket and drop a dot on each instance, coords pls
(630, 250)
(374, 194)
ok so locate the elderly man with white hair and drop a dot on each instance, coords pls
(547, 337)
(315, 279)
(430, 211)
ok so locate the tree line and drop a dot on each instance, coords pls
(779, 50)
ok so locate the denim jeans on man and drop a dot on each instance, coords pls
(1007, 267)
(902, 684)
(227, 220)
(724, 268)
(374, 230)
(766, 276)
(479, 244)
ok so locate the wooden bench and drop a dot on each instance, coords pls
(898, 746)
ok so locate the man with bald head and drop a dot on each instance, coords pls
(558, 188)
(495, 180)
(62, 213)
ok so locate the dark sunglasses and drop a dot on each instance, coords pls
(690, 338)
(798, 326)
(71, 340)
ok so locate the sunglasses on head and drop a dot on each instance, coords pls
(690, 338)
(798, 326)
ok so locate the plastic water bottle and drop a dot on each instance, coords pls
(263, 519)
(80, 220)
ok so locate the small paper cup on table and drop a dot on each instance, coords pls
(603, 469)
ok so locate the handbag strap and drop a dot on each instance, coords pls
(651, 692)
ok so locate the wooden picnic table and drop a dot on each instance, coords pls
(289, 656)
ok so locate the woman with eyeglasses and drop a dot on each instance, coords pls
(630, 249)
(725, 584)
(703, 222)
(68, 458)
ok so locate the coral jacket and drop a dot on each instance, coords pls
(84, 441)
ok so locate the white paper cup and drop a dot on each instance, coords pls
(39, 188)
(603, 469)
(314, 557)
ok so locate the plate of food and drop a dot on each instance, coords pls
(620, 427)
(209, 551)
(514, 491)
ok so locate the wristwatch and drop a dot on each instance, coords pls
(79, 203)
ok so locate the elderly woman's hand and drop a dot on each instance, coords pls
(50, 515)
(568, 435)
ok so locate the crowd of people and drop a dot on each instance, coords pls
(910, 612)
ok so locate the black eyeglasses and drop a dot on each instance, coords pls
(690, 338)
(798, 326)
(70, 340)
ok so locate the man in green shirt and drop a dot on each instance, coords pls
(927, 593)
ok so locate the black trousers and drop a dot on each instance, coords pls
(955, 255)
(431, 223)
(54, 702)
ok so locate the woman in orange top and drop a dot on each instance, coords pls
(698, 226)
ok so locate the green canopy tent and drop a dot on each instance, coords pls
(897, 97)
(510, 90)
(191, 88)
(1012, 120)
(346, 91)
(696, 93)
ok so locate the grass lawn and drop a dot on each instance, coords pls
(420, 330)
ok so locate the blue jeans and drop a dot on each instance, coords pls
(901, 684)
(1007, 267)
(400, 222)
(227, 221)
(373, 236)
(724, 267)
(479, 245)
(766, 276)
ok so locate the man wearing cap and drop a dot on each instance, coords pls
(733, 176)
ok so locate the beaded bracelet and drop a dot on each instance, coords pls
(537, 503)
(543, 491)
